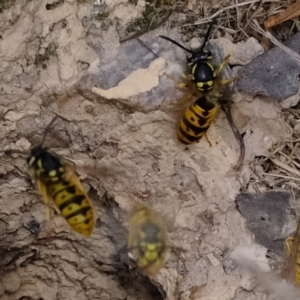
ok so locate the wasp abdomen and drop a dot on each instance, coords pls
(196, 121)
(74, 206)
(66, 191)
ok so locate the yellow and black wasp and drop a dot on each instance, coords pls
(292, 268)
(199, 115)
(55, 180)
(201, 64)
(147, 240)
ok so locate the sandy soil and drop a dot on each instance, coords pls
(49, 60)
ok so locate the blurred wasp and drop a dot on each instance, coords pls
(292, 268)
(55, 180)
(147, 240)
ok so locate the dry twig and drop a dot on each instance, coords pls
(208, 19)
(289, 13)
(254, 24)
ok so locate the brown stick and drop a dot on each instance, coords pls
(289, 13)
(227, 109)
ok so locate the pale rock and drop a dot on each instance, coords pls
(11, 281)
(137, 82)
(291, 101)
(242, 52)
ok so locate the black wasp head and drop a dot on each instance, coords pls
(41, 158)
(35, 153)
(201, 56)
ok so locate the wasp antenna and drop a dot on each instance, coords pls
(214, 21)
(143, 44)
(48, 129)
(176, 43)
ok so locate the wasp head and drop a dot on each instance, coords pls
(40, 158)
(201, 56)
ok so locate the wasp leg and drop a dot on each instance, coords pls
(289, 244)
(189, 84)
(228, 81)
(184, 99)
(180, 84)
(43, 191)
(188, 77)
(207, 139)
(222, 65)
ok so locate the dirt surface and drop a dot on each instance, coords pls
(118, 127)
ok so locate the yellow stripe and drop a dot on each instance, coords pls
(182, 138)
(199, 111)
(40, 164)
(194, 68)
(52, 173)
(211, 66)
(31, 161)
(53, 179)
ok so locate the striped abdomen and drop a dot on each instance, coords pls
(74, 205)
(65, 190)
(196, 120)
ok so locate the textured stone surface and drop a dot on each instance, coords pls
(274, 74)
(269, 217)
(125, 151)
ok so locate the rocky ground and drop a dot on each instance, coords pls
(118, 127)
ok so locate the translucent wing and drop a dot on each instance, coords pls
(43, 190)
(291, 271)
(80, 214)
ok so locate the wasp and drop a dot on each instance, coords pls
(203, 71)
(147, 239)
(202, 110)
(292, 268)
(58, 182)
(208, 84)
